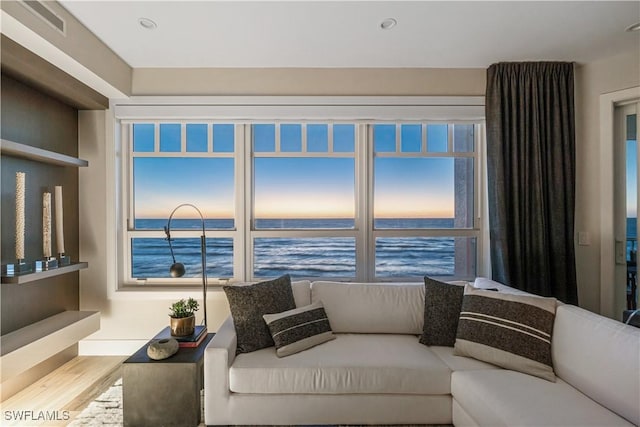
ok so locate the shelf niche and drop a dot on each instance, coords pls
(37, 275)
(28, 346)
(15, 149)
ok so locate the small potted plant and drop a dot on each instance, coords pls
(183, 319)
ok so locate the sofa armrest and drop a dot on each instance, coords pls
(224, 341)
(218, 358)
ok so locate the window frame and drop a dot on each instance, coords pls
(236, 233)
(473, 232)
(245, 111)
(254, 233)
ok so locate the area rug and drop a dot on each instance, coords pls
(106, 411)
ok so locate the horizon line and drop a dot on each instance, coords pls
(312, 218)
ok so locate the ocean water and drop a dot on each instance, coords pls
(300, 257)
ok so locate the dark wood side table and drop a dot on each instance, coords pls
(164, 392)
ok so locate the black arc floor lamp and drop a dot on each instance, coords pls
(177, 268)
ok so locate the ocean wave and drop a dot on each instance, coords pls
(300, 257)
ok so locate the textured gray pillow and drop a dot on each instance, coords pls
(248, 303)
(299, 329)
(442, 304)
(508, 330)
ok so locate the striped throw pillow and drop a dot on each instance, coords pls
(508, 330)
(299, 329)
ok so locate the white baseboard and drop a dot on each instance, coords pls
(109, 347)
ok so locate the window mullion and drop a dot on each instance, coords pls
(362, 209)
(127, 138)
(183, 138)
(242, 205)
(424, 139)
(330, 138)
(370, 262)
(127, 208)
(277, 138)
(156, 137)
(210, 141)
(304, 137)
(249, 201)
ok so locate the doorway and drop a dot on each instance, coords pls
(627, 188)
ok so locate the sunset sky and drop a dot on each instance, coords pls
(294, 187)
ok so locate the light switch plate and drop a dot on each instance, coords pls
(584, 238)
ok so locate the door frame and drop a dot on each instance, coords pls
(608, 103)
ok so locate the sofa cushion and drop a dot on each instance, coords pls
(459, 363)
(377, 308)
(508, 398)
(352, 363)
(512, 331)
(301, 292)
(442, 303)
(599, 356)
(299, 329)
(248, 303)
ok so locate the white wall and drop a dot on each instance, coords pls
(592, 80)
(309, 81)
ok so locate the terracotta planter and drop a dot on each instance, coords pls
(183, 326)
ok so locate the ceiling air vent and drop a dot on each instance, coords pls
(40, 9)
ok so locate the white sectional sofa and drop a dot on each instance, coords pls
(376, 371)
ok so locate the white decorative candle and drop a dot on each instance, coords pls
(20, 182)
(46, 224)
(59, 220)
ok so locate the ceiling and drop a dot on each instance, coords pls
(348, 34)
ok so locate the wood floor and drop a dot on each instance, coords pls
(61, 395)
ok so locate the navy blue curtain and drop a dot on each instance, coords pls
(531, 176)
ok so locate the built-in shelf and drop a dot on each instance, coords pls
(16, 149)
(28, 346)
(37, 275)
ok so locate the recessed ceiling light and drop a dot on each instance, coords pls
(147, 23)
(633, 27)
(388, 23)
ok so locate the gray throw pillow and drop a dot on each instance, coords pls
(299, 329)
(248, 303)
(442, 304)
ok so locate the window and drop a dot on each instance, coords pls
(304, 200)
(355, 200)
(171, 164)
(424, 190)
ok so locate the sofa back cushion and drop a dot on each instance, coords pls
(600, 357)
(301, 292)
(376, 308)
